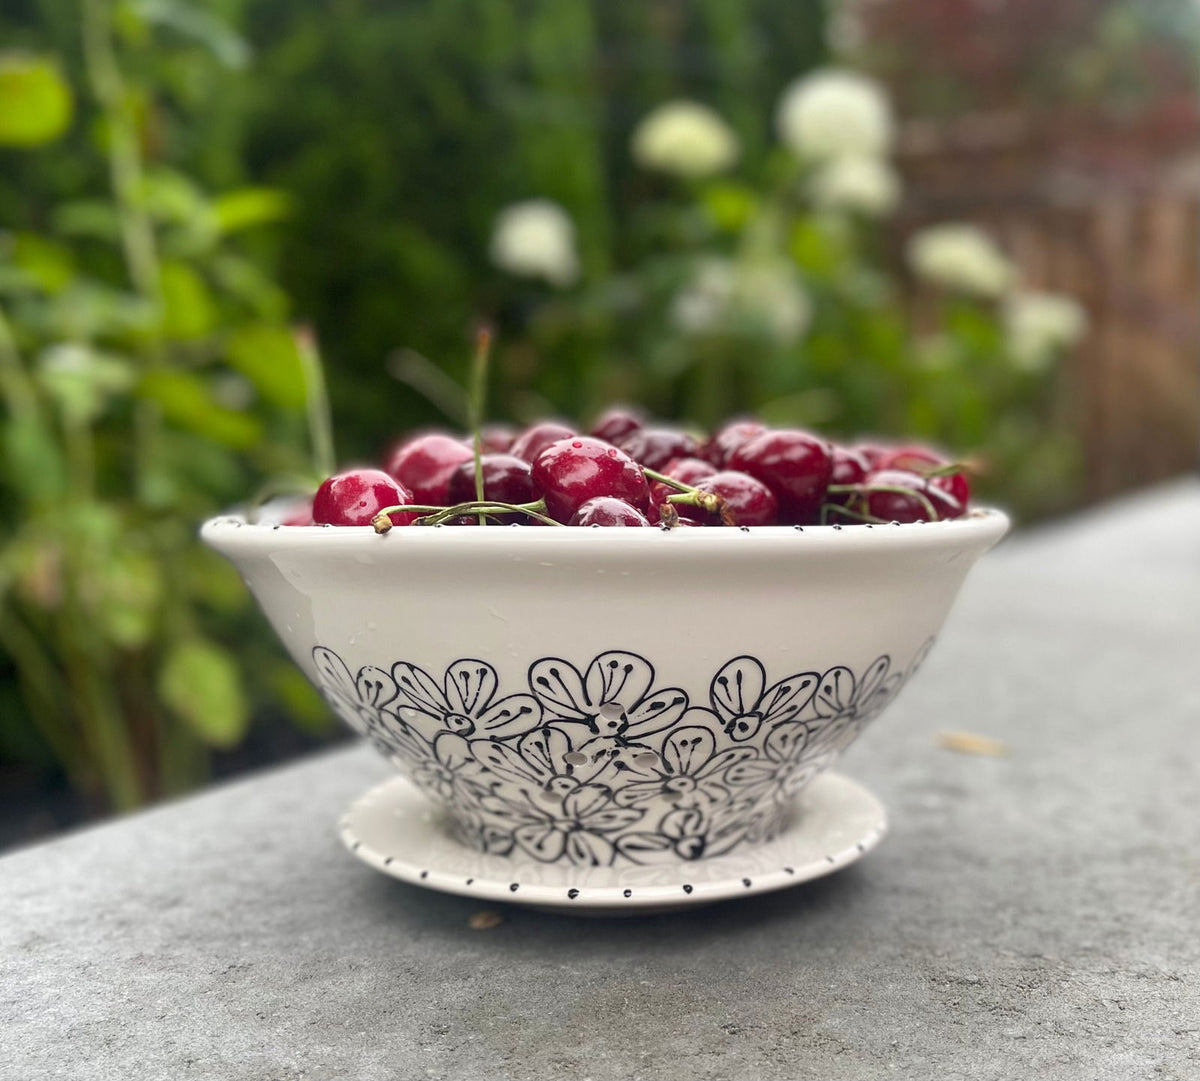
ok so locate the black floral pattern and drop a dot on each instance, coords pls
(599, 765)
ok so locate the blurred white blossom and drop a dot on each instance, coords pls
(960, 257)
(833, 112)
(536, 239)
(684, 138)
(859, 184)
(766, 296)
(1038, 325)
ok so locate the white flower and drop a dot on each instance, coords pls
(960, 257)
(536, 239)
(686, 139)
(859, 184)
(764, 296)
(1038, 325)
(834, 112)
(700, 305)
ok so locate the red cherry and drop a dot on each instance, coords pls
(607, 511)
(494, 438)
(531, 442)
(901, 506)
(718, 449)
(655, 447)
(684, 470)
(795, 465)
(616, 424)
(357, 496)
(849, 467)
(506, 479)
(747, 501)
(423, 465)
(571, 471)
(923, 461)
(956, 485)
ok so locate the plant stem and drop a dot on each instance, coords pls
(316, 401)
(477, 402)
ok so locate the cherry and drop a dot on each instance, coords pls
(355, 497)
(718, 449)
(506, 479)
(423, 465)
(924, 461)
(655, 447)
(533, 440)
(569, 472)
(607, 511)
(879, 498)
(616, 424)
(849, 467)
(494, 438)
(955, 485)
(688, 470)
(747, 501)
(795, 465)
(684, 470)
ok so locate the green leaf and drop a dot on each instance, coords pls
(87, 218)
(186, 401)
(188, 308)
(131, 591)
(729, 205)
(32, 460)
(307, 709)
(35, 101)
(83, 380)
(48, 264)
(245, 208)
(199, 681)
(170, 196)
(267, 356)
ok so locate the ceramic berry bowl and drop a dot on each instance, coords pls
(585, 697)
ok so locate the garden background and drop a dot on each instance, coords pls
(971, 224)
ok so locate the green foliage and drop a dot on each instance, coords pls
(148, 377)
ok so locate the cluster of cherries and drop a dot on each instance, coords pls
(630, 473)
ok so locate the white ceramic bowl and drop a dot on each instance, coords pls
(593, 696)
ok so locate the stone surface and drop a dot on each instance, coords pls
(1034, 914)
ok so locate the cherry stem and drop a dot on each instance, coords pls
(896, 489)
(431, 515)
(477, 401)
(706, 501)
(670, 482)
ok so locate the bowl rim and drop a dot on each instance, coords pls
(981, 525)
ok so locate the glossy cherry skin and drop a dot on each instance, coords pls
(606, 511)
(849, 467)
(571, 471)
(424, 464)
(506, 479)
(900, 506)
(718, 449)
(532, 441)
(655, 447)
(356, 496)
(794, 464)
(616, 424)
(747, 501)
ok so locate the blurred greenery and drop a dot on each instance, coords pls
(181, 181)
